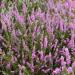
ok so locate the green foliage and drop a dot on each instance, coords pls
(27, 72)
(7, 36)
(7, 71)
(15, 66)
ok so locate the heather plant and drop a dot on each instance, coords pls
(37, 37)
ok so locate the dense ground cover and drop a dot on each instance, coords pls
(37, 37)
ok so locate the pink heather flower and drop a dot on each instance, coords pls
(46, 71)
(72, 37)
(70, 70)
(41, 41)
(63, 63)
(72, 4)
(2, 4)
(41, 44)
(50, 55)
(61, 25)
(24, 45)
(48, 24)
(66, 51)
(14, 59)
(41, 55)
(70, 44)
(48, 58)
(30, 65)
(37, 14)
(59, 6)
(35, 28)
(55, 45)
(29, 20)
(14, 49)
(68, 60)
(45, 42)
(13, 34)
(33, 17)
(6, 19)
(20, 72)
(42, 16)
(67, 4)
(20, 66)
(57, 71)
(68, 57)
(33, 54)
(38, 31)
(8, 65)
(20, 18)
(24, 8)
(23, 61)
(65, 28)
(4, 26)
(72, 26)
(48, 18)
(50, 4)
(1, 38)
(33, 36)
(18, 32)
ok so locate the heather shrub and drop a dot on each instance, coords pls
(37, 37)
